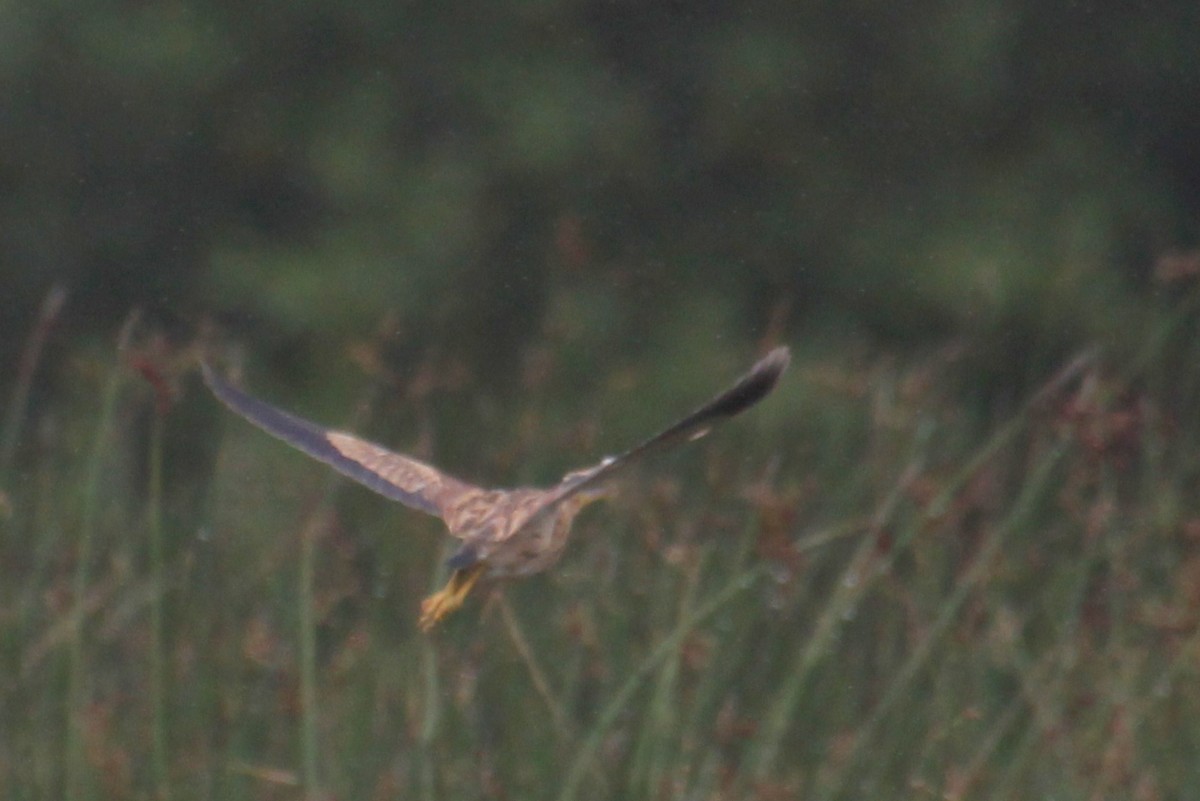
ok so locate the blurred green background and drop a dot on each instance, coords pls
(1003, 169)
(512, 237)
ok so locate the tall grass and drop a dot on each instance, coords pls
(869, 590)
(16, 413)
(77, 784)
(158, 574)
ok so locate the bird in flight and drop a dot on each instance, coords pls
(504, 532)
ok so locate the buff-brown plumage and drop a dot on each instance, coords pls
(505, 532)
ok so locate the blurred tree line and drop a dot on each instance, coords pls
(600, 174)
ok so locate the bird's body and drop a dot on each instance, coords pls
(505, 532)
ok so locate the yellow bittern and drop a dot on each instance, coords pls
(505, 532)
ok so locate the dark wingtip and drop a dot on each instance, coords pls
(773, 364)
(755, 385)
(215, 382)
(210, 374)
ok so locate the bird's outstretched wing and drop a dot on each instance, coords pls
(584, 486)
(391, 474)
(745, 392)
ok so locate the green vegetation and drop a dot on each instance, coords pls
(997, 608)
(955, 555)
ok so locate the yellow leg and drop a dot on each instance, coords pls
(450, 597)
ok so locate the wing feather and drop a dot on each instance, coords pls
(391, 474)
(748, 390)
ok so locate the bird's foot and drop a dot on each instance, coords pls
(449, 598)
